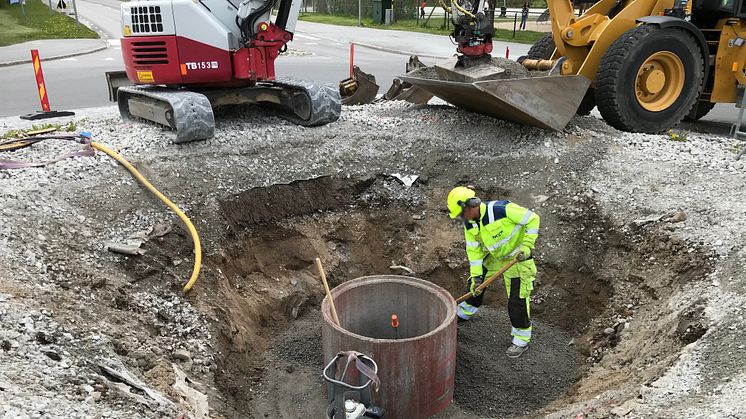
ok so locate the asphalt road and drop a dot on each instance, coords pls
(79, 82)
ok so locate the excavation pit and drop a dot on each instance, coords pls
(417, 359)
(269, 300)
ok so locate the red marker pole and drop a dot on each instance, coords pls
(46, 110)
(395, 325)
(40, 80)
(352, 59)
(507, 52)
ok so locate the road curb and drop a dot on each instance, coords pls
(398, 51)
(103, 46)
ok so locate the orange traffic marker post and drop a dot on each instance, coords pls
(46, 111)
(395, 325)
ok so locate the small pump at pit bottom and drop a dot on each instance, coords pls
(349, 401)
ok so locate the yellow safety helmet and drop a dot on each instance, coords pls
(459, 198)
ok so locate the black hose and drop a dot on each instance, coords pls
(247, 25)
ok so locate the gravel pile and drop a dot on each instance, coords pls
(43, 374)
(652, 175)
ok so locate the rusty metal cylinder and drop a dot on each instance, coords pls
(416, 360)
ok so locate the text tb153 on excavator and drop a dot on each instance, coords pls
(648, 64)
(187, 57)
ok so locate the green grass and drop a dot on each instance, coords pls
(21, 133)
(39, 23)
(435, 26)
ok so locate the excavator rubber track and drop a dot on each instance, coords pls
(324, 99)
(190, 113)
(187, 113)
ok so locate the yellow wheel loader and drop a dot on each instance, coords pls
(648, 64)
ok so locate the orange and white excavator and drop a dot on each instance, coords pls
(187, 57)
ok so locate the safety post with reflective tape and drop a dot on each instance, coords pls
(46, 110)
(40, 80)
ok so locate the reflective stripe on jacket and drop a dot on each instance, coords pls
(502, 229)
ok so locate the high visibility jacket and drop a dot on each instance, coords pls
(503, 227)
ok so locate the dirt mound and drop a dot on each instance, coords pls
(488, 383)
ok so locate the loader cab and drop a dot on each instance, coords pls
(708, 14)
(719, 9)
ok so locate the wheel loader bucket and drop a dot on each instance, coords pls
(360, 89)
(407, 92)
(546, 102)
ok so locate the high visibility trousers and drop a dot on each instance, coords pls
(519, 282)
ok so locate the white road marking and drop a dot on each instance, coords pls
(114, 42)
(310, 43)
(299, 35)
(69, 59)
(109, 59)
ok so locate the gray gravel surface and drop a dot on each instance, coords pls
(545, 371)
(54, 222)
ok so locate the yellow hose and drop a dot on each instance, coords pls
(140, 178)
(461, 9)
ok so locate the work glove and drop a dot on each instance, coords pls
(524, 253)
(473, 283)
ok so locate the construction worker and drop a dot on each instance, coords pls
(495, 233)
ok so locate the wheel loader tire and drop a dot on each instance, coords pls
(588, 103)
(649, 79)
(699, 110)
(542, 49)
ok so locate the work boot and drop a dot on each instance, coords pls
(514, 351)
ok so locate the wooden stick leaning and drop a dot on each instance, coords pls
(328, 292)
(489, 281)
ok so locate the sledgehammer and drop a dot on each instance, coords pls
(489, 281)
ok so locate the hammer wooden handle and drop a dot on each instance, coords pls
(487, 283)
(328, 292)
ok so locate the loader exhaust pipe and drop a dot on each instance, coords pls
(538, 65)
